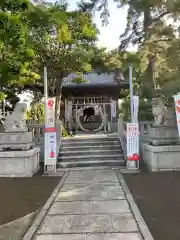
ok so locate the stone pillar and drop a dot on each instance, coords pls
(114, 118)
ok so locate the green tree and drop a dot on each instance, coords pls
(15, 53)
(63, 42)
(157, 40)
(36, 112)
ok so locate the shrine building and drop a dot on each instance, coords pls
(92, 104)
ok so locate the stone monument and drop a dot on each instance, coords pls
(18, 155)
(163, 149)
(164, 130)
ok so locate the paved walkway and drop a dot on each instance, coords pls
(91, 205)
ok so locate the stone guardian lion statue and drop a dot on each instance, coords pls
(162, 115)
(16, 120)
(159, 112)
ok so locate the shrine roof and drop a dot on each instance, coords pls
(93, 79)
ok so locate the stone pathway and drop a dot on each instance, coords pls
(91, 205)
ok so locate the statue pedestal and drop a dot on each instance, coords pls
(11, 130)
(161, 158)
(19, 163)
(163, 135)
(162, 152)
(16, 141)
(18, 155)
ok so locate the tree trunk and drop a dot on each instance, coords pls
(58, 103)
(58, 97)
(147, 22)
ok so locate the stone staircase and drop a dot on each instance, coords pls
(91, 151)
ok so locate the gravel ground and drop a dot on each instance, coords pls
(23, 196)
(158, 198)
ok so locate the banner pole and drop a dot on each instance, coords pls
(131, 91)
(45, 112)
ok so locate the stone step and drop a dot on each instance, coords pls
(88, 148)
(89, 139)
(93, 151)
(92, 163)
(87, 143)
(88, 157)
(91, 136)
(101, 167)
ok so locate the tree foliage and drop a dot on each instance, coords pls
(62, 41)
(43, 34)
(153, 26)
(15, 52)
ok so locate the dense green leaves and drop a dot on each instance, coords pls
(36, 35)
(15, 52)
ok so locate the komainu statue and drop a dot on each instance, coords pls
(16, 120)
(2, 119)
(160, 112)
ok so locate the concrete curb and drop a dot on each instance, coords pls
(40, 216)
(135, 210)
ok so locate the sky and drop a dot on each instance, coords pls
(109, 35)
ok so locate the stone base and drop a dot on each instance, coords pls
(10, 130)
(16, 140)
(19, 163)
(163, 135)
(161, 158)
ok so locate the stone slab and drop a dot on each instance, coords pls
(70, 208)
(160, 158)
(110, 207)
(90, 173)
(18, 146)
(93, 178)
(61, 237)
(161, 132)
(90, 195)
(115, 236)
(16, 140)
(90, 223)
(16, 137)
(19, 163)
(10, 130)
(108, 236)
(163, 135)
(91, 187)
(83, 207)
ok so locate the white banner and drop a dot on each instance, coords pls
(113, 108)
(177, 107)
(50, 134)
(50, 113)
(135, 109)
(132, 141)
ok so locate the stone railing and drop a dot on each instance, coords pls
(122, 135)
(144, 127)
(37, 129)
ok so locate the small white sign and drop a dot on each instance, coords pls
(133, 142)
(50, 134)
(50, 148)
